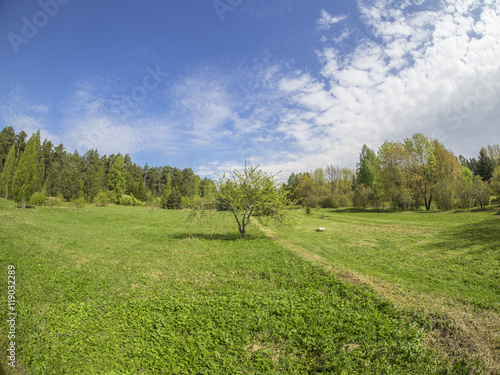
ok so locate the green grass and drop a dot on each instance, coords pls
(121, 290)
(453, 255)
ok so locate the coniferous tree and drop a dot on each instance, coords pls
(29, 173)
(8, 173)
(485, 165)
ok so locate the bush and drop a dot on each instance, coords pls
(186, 202)
(38, 199)
(54, 201)
(104, 198)
(127, 200)
(328, 202)
(78, 202)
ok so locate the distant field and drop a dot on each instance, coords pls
(123, 290)
(442, 262)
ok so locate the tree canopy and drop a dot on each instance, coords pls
(246, 192)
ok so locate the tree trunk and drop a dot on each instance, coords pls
(243, 233)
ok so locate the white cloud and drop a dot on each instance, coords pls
(18, 111)
(420, 72)
(326, 20)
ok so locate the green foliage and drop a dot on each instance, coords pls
(8, 172)
(38, 199)
(495, 182)
(485, 165)
(104, 198)
(167, 192)
(127, 200)
(247, 192)
(116, 179)
(28, 177)
(7, 141)
(368, 170)
(481, 192)
(78, 202)
(363, 197)
(103, 293)
(173, 202)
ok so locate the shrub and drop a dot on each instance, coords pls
(78, 202)
(54, 201)
(104, 198)
(127, 200)
(38, 199)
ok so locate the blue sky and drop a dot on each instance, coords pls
(292, 84)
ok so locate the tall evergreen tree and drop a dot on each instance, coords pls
(29, 173)
(8, 173)
(485, 165)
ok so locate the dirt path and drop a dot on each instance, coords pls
(460, 331)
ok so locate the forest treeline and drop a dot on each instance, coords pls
(40, 173)
(418, 172)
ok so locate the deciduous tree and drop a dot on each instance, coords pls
(246, 192)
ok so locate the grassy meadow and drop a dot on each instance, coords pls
(444, 263)
(124, 290)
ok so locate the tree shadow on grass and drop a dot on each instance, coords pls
(231, 237)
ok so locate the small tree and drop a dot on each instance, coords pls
(247, 192)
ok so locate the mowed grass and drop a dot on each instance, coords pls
(122, 290)
(455, 255)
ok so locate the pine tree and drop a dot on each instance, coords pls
(29, 173)
(8, 173)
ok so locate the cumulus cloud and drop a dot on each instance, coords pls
(414, 69)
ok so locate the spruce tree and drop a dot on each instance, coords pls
(8, 173)
(29, 173)
(485, 165)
